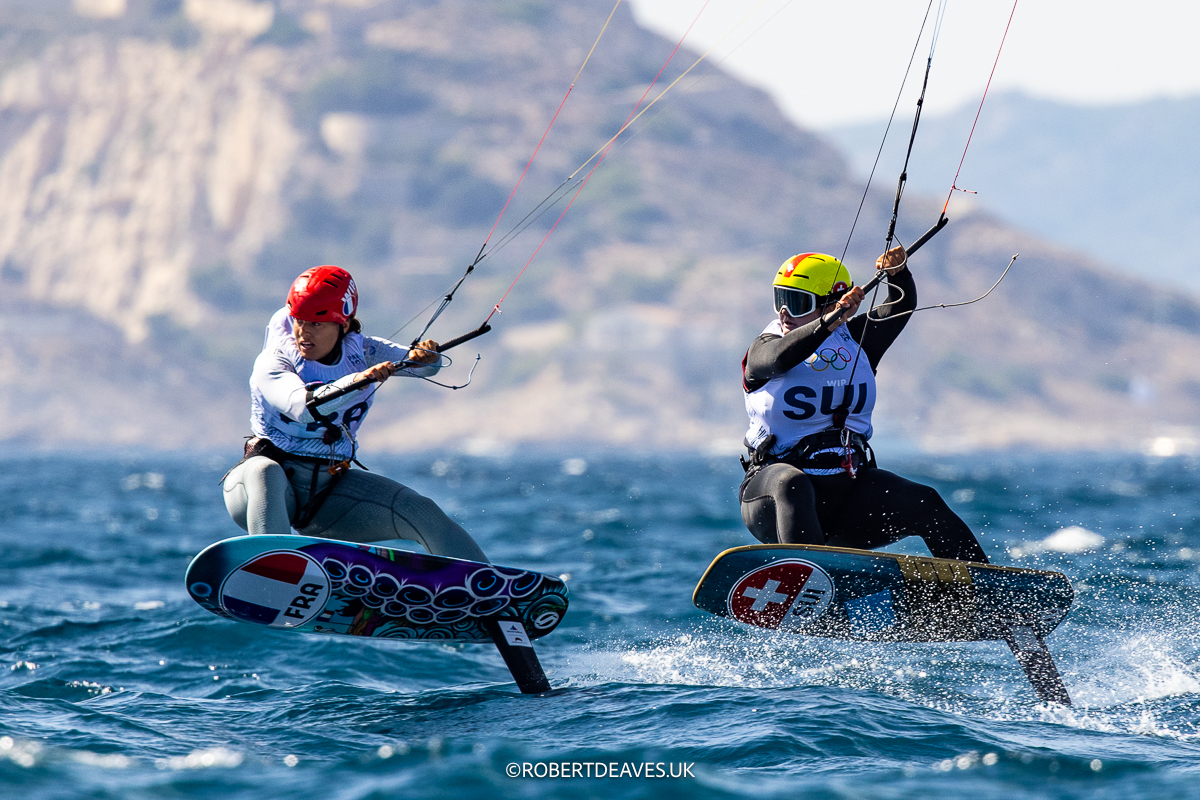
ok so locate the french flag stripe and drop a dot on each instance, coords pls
(283, 567)
(251, 612)
(247, 587)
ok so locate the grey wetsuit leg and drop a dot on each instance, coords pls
(258, 497)
(365, 507)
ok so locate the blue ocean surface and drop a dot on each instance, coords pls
(116, 685)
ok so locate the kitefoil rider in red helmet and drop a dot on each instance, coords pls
(296, 471)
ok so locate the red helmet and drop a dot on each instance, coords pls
(323, 294)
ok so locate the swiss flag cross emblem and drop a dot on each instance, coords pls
(786, 594)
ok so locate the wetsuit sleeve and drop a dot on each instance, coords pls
(770, 356)
(887, 319)
(376, 351)
(284, 390)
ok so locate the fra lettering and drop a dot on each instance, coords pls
(308, 593)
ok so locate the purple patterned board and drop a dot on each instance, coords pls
(325, 586)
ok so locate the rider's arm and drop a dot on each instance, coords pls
(275, 377)
(770, 356)
(377, 350)
(886, 319)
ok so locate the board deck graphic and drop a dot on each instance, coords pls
(790, 594)
(325, 586)
(862, 595)
(842, 593)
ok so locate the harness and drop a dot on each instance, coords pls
(261, 446)
(826, 452)
(846, 438)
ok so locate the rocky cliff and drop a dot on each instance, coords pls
(167, 167)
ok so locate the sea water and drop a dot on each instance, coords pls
(114, 684)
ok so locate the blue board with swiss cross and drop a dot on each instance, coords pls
(325, 586)
(842, 593)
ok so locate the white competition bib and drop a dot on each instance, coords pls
(304, 438)
(801, 401)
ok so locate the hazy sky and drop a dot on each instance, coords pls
(829, 63)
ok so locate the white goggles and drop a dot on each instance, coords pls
(797, 301)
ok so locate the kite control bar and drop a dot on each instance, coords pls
(314, 404)
(908, 251)
(466, 337)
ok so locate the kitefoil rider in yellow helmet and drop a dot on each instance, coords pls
(810, 389)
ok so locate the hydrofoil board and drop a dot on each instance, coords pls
(841, 593)
(316, 585)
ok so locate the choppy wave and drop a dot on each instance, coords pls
(114, 684)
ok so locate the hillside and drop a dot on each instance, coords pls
(166, 168)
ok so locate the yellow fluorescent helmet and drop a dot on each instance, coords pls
(817, 273)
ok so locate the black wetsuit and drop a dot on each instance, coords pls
(781, 503)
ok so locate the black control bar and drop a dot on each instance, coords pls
(908, 251)
(354, 387)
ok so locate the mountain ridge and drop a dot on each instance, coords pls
(169, 171)
(1116, 182)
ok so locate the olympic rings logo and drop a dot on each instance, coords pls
(822, 360)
